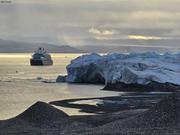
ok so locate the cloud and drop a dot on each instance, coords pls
(70, 22)
(101, 38)
(70, 40)
(101, 32)
(143, 37)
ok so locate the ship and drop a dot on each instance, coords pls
(40, 57)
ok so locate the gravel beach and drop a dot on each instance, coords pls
(44, 119)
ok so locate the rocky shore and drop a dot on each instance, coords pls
(152, 86)
(41, 118)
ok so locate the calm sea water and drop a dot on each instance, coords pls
(20, 86)
(18, 66)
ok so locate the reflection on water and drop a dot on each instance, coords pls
(18, 66)
(101, 105)
(20, 86)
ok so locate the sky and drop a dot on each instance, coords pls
(92, 22)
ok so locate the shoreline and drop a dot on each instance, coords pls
(45, 119)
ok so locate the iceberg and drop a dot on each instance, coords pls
(117, 70)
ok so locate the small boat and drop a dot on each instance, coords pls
(40, 58)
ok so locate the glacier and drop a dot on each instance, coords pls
(125, 69)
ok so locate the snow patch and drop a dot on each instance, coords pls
(133, 68)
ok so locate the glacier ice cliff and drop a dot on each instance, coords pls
(124, 70)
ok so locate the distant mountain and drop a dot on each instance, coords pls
(126, 48)
(7, 46)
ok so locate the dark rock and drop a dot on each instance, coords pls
(40, 119)
(42, 113)
(153, 86)
(61, 79)
(39, 78)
